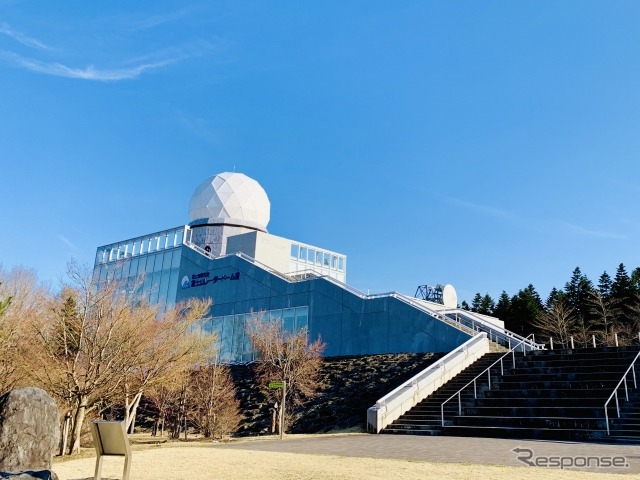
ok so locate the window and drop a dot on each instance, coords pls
(327, 260)
(318, 258)
(294, 250)
(303, 254)
(288, 315)
(334, 261)
(302, 318)
(340, 263)
(275, 316)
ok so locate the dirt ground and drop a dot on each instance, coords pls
(202, 461)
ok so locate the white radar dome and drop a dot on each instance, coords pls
(230, 198)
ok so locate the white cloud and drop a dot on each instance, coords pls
(67, 242)
(483, 209)
(86, 73)
(21, 37)
(592, 233)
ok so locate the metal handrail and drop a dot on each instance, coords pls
(399, 296)
(441, 363)
(434, 313)
(413, 390)
(488, 371)
(494, 333)
(626, 391)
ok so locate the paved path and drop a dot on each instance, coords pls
(488, 451)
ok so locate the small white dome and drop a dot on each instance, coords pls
(449, 296)
(232, 199)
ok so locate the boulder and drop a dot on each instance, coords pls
(29, 430)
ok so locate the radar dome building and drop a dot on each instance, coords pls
(226, 254)
(225, 205)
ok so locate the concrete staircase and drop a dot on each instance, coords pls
(425, 418)
(558, 394)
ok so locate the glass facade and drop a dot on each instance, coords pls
(230, 331)
(168, 269)
(306, 257)
(348, 322)
(150, 263)
(155, 242)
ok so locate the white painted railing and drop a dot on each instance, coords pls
(474, 382)
(400, 400)
(496, 334)
(631, 368)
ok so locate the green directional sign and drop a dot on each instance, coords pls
(274, 385)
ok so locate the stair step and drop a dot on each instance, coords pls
(548, 395)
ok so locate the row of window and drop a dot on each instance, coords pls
(313, 256)
(142, 245)
(230, 330)
(156, 288)
(142, 265)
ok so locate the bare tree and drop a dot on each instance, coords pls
(287, 357)
(558, 321)
(216, 410)
(166, 347)
(22, 299)
(604, 311)
(99, 342)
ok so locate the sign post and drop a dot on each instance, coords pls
(283, 385)
(110, 438)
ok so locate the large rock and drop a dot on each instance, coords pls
(29, 430)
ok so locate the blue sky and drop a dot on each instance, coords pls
(486, 144)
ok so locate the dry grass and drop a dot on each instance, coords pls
(199, 460)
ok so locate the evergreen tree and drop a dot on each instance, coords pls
(635, 280)
(526, 308)
(503, 307)
(4, 304)
(487, 306)
(554, 296)
(465, 306)
(578, 293)
(624, 296)
(476, 303)
(604, 285)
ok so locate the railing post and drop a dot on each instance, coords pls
(442, 413)
(633, 369)
(572, 347)
(459, 404)
(501, 367)
(489, 377)
(474, 389)
(594, 340)
(615, 335)
(533, 337)
(509, 343)
(606, 417)
(617, 405)
(626, 391)
(513, 356)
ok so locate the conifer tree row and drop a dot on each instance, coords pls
(579, 310)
